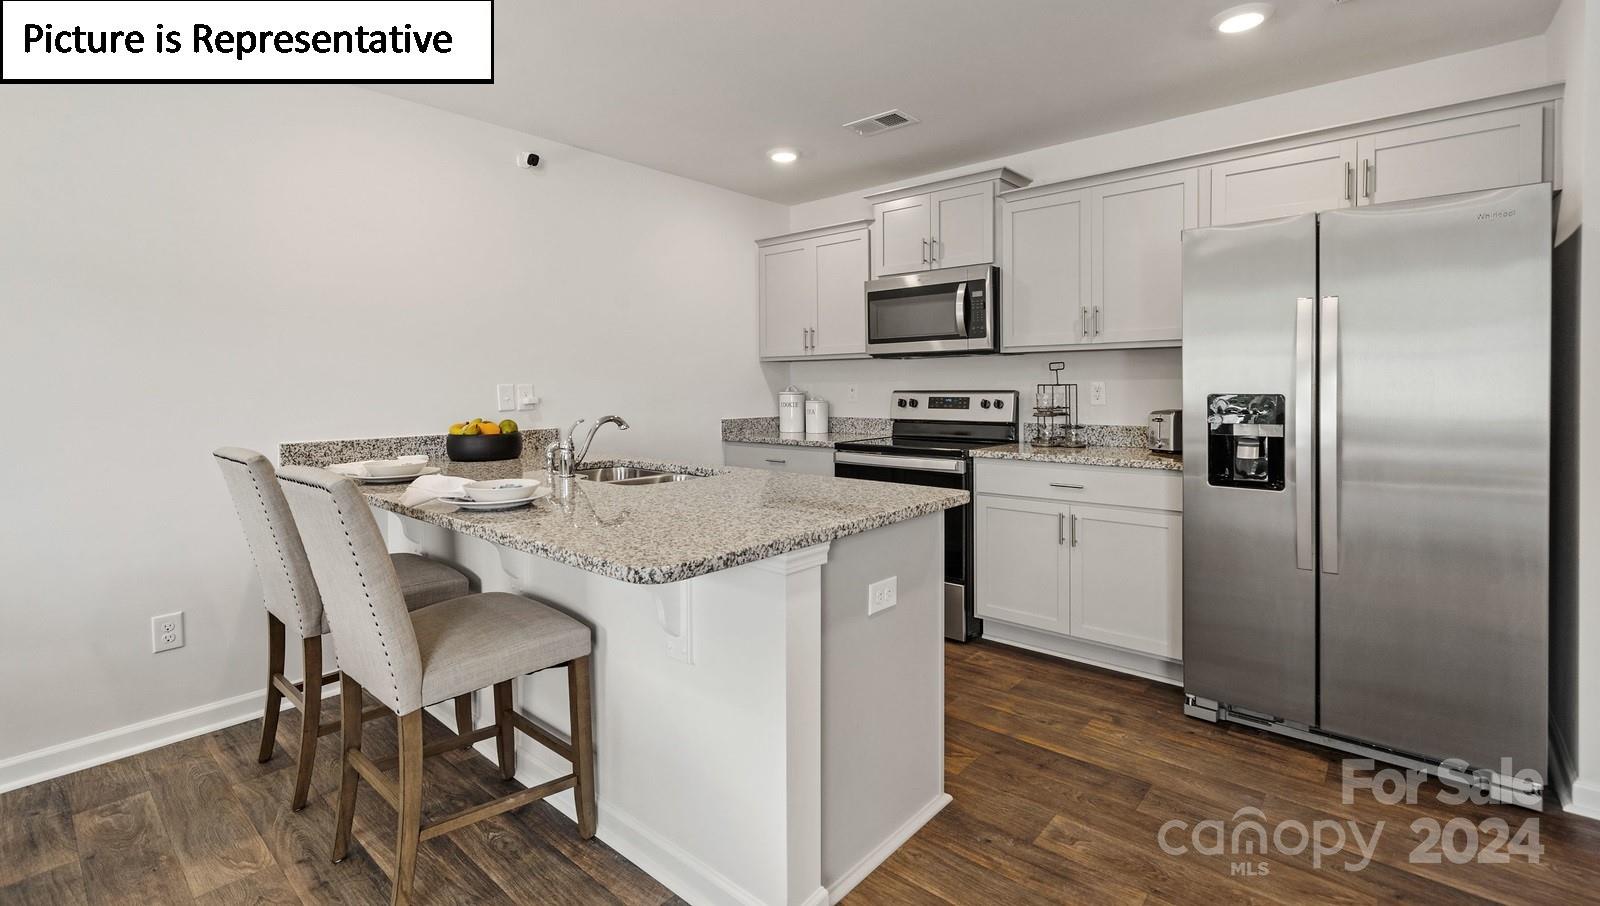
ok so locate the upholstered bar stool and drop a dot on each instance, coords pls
(410, 661)
(292, 600)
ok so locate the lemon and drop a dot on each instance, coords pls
(472, 430)
(508, 427)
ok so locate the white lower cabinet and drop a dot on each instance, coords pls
(779, 457)
(1100, 573)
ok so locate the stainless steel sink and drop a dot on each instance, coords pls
(631, 475)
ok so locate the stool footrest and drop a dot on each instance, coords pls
(541, 735)
(498, 806)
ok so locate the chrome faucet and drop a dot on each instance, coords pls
(562, 457)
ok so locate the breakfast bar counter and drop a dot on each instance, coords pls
(760, 736)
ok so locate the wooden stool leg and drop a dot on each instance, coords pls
(580, 697)
(464, 713)
(350, 741)
(410, 807)
(506, 739)
(269, 719)
(310, 720)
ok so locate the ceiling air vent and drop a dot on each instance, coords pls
(882, 122)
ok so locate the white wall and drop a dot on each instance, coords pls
(186, 267)
(1138, 381)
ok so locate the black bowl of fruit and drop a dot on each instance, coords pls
(483, 441)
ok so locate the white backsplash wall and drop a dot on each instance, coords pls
(1137, 380)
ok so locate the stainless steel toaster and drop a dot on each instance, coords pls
(1165, 431)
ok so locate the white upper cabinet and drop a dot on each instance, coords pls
(1465, 154)
(1283, 183)
(963, 226)
(1136, 232)
(943, 224)
(788, 299)
(841, 323)
(905, 231)
(812, 300)
(1044, 263)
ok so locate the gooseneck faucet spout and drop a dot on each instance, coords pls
(607, 420)
(562, 457)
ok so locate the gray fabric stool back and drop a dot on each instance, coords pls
(361, 591)
(287, 586)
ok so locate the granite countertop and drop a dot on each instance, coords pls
(764, 430)
(654, 534)
(1122, 457)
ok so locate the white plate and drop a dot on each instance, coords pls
(396, 479)
(501, 490)
(467, 503)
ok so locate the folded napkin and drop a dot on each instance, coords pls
(428, 487)
(359, 469)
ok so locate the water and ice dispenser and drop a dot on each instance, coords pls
(1244, 440)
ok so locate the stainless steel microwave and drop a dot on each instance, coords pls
(943, 312)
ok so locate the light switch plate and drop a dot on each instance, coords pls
(525, 397)
(505, 397)
(882, 595)
(852, 393)
(1097, 393)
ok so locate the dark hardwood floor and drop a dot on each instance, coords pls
(1063, 777)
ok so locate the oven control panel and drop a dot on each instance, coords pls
(998, 406)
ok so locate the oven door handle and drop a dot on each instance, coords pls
(890, 461)
(961, 311)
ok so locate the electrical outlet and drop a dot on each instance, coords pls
(525, 397)
(1097, 393)
(505, 397)
(852, 393)
(166, 632)
(882, 595)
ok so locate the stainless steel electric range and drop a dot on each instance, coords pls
(930, 443)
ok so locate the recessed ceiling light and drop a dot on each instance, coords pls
(783, 155)
(1241, 18)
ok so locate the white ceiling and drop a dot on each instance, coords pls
(704, 88)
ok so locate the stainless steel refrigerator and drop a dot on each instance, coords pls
(1367, 480)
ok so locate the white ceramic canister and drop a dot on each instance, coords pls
(817, 416)
(791, 410)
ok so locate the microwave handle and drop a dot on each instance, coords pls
(961, 309)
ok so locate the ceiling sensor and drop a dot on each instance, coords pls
(882, 122)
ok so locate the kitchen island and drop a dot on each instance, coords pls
(760, 738)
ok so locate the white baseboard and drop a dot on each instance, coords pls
(1118, 659)
(858, 872)
(1585, 799)
(77, 754)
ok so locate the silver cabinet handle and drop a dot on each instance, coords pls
(1328, 432)
(779, 462)
(811, 334)
(925, 251)
(1084, 312)
(1070, 487)
(1305, 358)
(1349, 181)
(1097, 320)
(1369, 179)
(1061, 528)
(933, 251)
(1074, 530)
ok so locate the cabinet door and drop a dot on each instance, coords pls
(1284, 183)
(1136, 227)
(1044, 249)
(1127, 579)
(1465, 154)
(963, 226)
(788, 299)
(1020, 571)
(903, 229)
(842, 268)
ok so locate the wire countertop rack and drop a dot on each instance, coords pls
(1055, 413)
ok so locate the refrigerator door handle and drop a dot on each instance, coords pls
(1328, 432)
(1305, 417)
